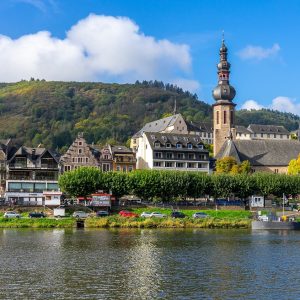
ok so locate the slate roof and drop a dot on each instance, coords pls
(173, 139)
(120, 149)
(34, 153)
(200, 126)
(261, 152)
(255, 128)
(158, 125)
(242, 129)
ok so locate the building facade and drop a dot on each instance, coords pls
(80, 154)
(170, 151)
(124, 159)
(262, 132)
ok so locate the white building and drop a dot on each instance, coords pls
(262, 132)
(171, 151)
(32, 192)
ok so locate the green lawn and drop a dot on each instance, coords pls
(220, 214)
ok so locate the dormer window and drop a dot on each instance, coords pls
(190, 146)
(200, 146)
(156, 145)
(168, 145)
(152, 137)
(178, 145)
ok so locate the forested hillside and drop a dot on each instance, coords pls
(52, 113)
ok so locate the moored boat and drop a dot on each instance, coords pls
(275, 225)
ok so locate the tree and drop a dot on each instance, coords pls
(229, 165)
(81, 182)
(294, 166)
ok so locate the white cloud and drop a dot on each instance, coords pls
(258, 53)
(251, 104)
(280, 103)
(100, 48)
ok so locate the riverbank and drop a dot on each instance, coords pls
(215, 219)
(37, 223)
(119, 222)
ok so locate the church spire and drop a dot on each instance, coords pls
(223, 91)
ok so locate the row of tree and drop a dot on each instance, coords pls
(172, 185)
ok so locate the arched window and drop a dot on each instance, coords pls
(231, 117)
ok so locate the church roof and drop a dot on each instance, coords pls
(261, 152)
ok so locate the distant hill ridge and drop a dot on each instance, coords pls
(52, 113)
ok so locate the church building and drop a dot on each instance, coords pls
(264, 154)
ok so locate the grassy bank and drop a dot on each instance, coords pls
(120, 222)
(37, 223)
(216, 214)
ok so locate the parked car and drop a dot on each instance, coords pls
(12, 214)
(80, 214)
(145, 214)
(200, 215)
(128, 214)
(102, 213)
(177, 214)
(36, 215)
(157, 215)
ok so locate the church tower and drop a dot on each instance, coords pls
(224, 108)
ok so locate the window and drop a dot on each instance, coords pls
(134, 141)
(180, 155)
(191, 156)
(261, 135)
(180, 165)
(79, 151)
(274, 135)
(118, 168)
(225, 117)
(276, 171)
(157, 164)
(158, 155)
(169, 155)
(231, 117)
(168, 164)
(218, 117)
(268, 135)
(105, 167)
(168, 145)
(191, 165)
(156, 145)
(190, 146)
(202, 157)
(201, 166)
(67, 168)
(106, 156)
(80, 143)
(281, 136)
(200, 146)
(124, 169)
(86, 159)
(130, 168)
(178, 145)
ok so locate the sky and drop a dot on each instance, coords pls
(175, 41)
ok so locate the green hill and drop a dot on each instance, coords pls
(52, 113)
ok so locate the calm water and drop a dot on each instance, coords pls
(149, 264)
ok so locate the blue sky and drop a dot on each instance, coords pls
(169, 40)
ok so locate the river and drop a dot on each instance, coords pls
(149, 264)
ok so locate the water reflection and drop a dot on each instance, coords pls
(148, 264)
